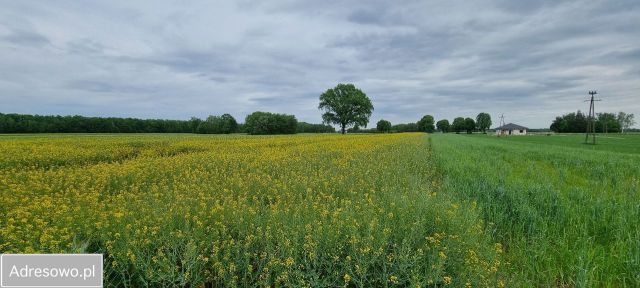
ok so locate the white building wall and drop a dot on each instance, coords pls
(513, 132)
(517, 132)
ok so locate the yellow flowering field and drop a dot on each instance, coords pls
(292, 211)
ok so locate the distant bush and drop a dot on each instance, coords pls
(224, 124)
(304, 127)
(383, 126)
(261, 123)
(405, 127)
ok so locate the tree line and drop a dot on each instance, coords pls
(22, 123)
(604, 122)
(255, 123)
(426, 124)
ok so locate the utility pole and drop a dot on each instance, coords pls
(591, 119)
(501, 124)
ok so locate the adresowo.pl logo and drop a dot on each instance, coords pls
(51, 270)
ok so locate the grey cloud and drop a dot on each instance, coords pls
(26, 38)
(109, 87)
(445, 58)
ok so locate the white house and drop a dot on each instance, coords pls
(511, 129)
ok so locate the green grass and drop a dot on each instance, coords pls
(625, 143)
(567, 213)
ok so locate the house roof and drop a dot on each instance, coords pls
(511, 126)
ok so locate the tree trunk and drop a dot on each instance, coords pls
(343, 128)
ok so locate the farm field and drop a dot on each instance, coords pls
(298, 211)
(566, 213)
(625, 143)
(361, 210)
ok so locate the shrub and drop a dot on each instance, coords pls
(304, 127)
(405, 127)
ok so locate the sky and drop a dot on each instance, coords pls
(528, 60)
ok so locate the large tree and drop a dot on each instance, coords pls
(469, 125)
(443, 125)
(426, 124)
(458, 125)
(625, 120)
(483, 121)
(345, 105)
(383, 126)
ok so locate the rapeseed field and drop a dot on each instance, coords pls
(268, 211)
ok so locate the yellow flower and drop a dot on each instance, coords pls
(288, 262)
(447, 280)
(393, 279)
(346, 278)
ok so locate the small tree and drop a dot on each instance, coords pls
(383, 126)
(469, 125)
(345, 105)
(607, 123)
(483, 121)
(625, 120)
(443, 125)
(426, 124)
(458, 125)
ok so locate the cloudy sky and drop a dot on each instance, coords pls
(177, 59)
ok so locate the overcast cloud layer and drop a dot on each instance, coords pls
(158, 59)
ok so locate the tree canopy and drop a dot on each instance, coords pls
(469, 125)
(346, 106)
(426, 124)
(260, 123)
(483, 122)
(443, 125)
(458, 125)
(383, 126)
(626, 120)
(577, 123)
(224, 124)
